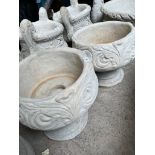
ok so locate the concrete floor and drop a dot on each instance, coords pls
(110, 128)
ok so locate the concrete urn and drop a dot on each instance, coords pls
(73, 17)
(40, 34)
(111, 44)
(57, 87)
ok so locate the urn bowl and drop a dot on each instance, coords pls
(111, 44)
(57, 87)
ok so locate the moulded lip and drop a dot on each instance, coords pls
(67, 50)
(79, 32)
(105, 9)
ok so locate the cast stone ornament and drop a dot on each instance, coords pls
(73, 17)
(120, 10)
(41, 34)
(57, 87)
(111, 44)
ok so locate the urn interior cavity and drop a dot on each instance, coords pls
(102, 33)
(47, 74)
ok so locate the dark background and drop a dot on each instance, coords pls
(28, 9)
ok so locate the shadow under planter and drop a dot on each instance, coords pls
(24, 147)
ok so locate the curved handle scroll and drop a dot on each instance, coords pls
(96, 13)
(26, 28)
(66, 21)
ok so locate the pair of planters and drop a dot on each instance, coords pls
(58, 86)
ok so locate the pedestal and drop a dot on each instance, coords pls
(70, 131)
(110, 78)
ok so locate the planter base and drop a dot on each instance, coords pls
(70, 131)
(111, 78)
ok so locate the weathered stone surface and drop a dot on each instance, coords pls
(121, 10)
(111, 45)
(57, 87)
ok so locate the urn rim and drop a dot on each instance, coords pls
(82, 56)
(79, 32)
(129, 16)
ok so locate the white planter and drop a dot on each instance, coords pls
(112, 47)
(120, 10)
(57, 87)
(73, 17)
(41, 34)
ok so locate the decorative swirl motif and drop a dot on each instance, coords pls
(62, 109)
(109, 56)
(48, 114)
(104, 57)
(105, 60)
(88, 94)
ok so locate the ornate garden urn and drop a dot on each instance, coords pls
(41, 34)
(73, 17)
(57, 87)
(112, 47)
(120, 10)
(96, 12)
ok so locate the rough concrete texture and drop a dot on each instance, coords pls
(110, 129)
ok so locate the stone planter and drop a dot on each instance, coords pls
(120, 10)
(57, 87)
(73, 17)
(41, 34)
(112, 47)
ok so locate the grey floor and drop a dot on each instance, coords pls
(110, 128)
